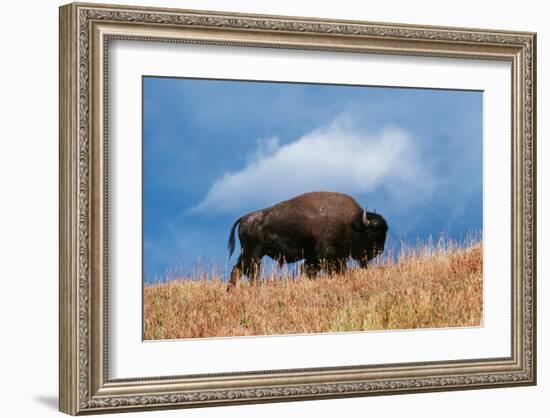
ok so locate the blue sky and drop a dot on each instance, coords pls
(214, 150)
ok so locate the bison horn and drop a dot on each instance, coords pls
(365, 219)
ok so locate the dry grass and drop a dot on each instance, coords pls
(425, 288)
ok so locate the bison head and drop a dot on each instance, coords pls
(369, 236)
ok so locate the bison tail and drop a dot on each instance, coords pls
(232, 237)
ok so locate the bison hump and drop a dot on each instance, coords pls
(320, 204)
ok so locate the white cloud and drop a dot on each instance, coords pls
(338, 157)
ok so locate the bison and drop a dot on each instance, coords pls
(321, 228)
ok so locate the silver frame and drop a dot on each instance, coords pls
(85, 31)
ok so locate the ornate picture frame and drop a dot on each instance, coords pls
(86, 30)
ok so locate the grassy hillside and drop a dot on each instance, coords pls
(425, 288)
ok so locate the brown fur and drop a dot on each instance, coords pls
(322, 228)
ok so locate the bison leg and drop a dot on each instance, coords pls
(311, 268)
(250, 266)
(236, 273)
(253, 270)
(336, 266)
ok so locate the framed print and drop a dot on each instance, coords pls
(266, 208)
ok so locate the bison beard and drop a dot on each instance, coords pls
(321, 228)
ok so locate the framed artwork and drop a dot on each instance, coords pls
(266, 208)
